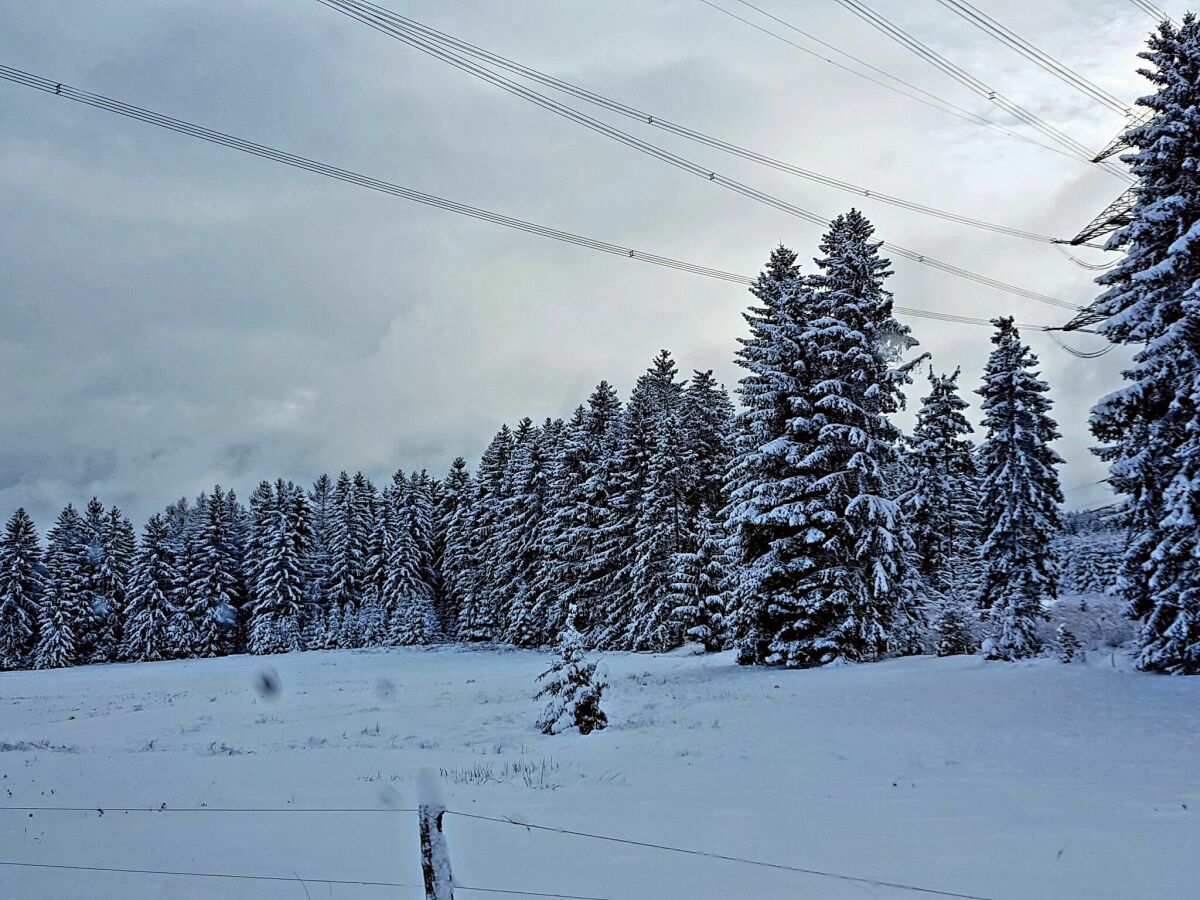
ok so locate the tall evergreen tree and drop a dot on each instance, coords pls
(453, 545)
(1150, 429)
(478, 616)
(66, 600)
(584, 559)
(1019, 496)
(765, 480)
(281, 536)
(650, 520)
(316, 565)
(942, 505)
(701, 578)
(154, 628)
(825, 545)
(708, 421)
(213, 577)
(347, 540)
(21, 582)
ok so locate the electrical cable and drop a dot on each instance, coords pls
(359, 12)
(1039, 57)
(647, 118)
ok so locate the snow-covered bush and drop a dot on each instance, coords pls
(574, 689)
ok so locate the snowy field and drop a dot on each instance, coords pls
(1005, 781)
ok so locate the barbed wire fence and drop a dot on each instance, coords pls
(438, 883)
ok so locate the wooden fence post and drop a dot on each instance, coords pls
(435, 855)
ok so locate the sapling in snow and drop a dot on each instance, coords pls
(574, 689)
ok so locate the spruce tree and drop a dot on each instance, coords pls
(584, 559)
(1150, 430)
(478, 616)
(213, 577)
(316, 563)
(821, 535)
(701, 578)
(574, 689)
(152, 615)
(708, 422)
(941, 507)
(1019, 497)
(347, 541)
(282, 535)
(66, 600)
(765, 482)
(526, 518)
(453, 545)
(21, 583)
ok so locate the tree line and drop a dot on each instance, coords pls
(803, 530)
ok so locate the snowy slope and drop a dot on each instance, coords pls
(1021, 781)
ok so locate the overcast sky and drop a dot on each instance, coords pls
(174, 314)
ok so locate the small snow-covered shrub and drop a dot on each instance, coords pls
(1069, 648)
(574, 689)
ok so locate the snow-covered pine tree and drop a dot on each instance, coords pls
(701, 577)
(346, 543)
(407, 599)
(586, 483)
(527, 517)
(708, 423)
(765, 483)
(117, 543)
(375, 569)
(316, 563)
(94, 629)
(941, 506)
(67, 596)
(282, 536)
(649, 522)
(419, 501)
(453, 559)
(152, 614)
(477, 618)
(1069, 647)
(574, 688)
(862, 577)
(823, 541)
(21, 583)
(213, 577)
(1019, 497)
(1150, 429)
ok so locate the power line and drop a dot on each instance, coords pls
(207, 809)
(361, 13)
(857, 879)
(934, 102)
(1151, 10)
(206, 134)
(1039, 57)
(655, 121)
(969, 81)
(294, 879)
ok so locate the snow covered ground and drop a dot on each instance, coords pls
(1005, 781)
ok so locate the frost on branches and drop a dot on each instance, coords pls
(1019, 497)
(1150, 429)
(573, 687)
